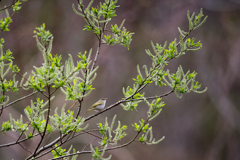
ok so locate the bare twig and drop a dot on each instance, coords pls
(16, 142)
(88, 132)
(89, 143)
(72, 105)
(25, 148)
(9, 6)
(12, 4)
(9, 104)
(3, 94)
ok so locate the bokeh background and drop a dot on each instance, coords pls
(197, 127)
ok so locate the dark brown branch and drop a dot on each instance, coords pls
(3, 94)
(100, 43)
(9, 6)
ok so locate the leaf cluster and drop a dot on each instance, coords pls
(97, 19)
(107, 132)
(59, 151)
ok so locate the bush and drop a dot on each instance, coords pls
(75, 80)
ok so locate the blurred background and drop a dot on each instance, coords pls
(197, 127)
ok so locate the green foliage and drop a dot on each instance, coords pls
(141, 126)
(162, 55)
(6, 85)
(97, 20)
(183, 83)
(17, 6)
(75, 80)
(44, 35)
(155, 108)
(79, 87)
(35, 114)
(108, 131)
(4, 23)
(97, 154)
(14, 125)
(61, 152)
(65, 122)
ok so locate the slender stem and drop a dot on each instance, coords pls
(100, 42)
(153, 97)
(25, 148)
(96, 56)
(72, 105)
(9, 104)
(79, 107)
(126, 100)
(12, 4)
(3, 94)
(92, 134)
(14, 143)
(89, 143)
(45, 129)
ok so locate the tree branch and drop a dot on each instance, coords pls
(9, 104)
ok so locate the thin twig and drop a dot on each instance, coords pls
(45, 128)
(72, 105)
(25, 148)
(89, 143)
(16, 142)
(3, 94)
(92, 134)
(13, 3)
(96, 56)
(9, 104)
(80, 101)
